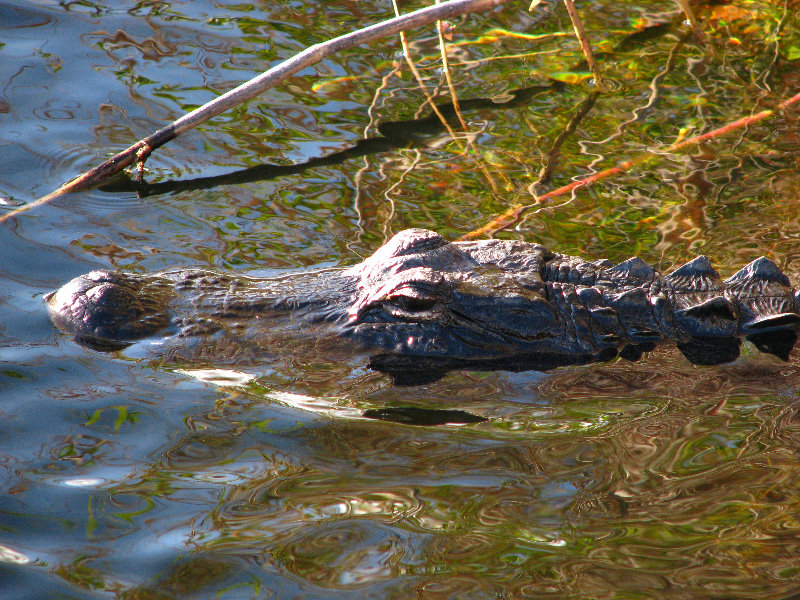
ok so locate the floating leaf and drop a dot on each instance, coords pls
(570, 77)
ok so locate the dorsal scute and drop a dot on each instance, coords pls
(761, 269)
(633, 268)
(716, 309)
(696, 268)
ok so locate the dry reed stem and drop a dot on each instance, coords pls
(586, 47)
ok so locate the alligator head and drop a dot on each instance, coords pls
(427, 303)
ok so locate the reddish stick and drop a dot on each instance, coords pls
(513, 214)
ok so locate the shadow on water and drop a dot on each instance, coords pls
(396, 134)
(409, 133)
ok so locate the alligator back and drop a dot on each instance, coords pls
(692, 305)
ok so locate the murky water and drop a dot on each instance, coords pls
(311, 477)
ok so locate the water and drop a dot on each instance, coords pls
(287, 478)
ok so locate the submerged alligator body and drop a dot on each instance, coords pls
(421, 304)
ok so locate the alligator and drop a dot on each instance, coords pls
(421, 306)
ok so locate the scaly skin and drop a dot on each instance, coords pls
(421, 300)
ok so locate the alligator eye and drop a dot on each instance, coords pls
(412, 304)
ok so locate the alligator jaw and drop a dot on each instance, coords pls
(108, 310)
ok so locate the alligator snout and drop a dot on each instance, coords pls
(109, 306)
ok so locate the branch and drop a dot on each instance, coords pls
(139, 151)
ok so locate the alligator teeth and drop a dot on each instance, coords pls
(697, 267)
(634, 268)
(761, 269)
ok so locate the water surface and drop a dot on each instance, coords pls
(286, 479)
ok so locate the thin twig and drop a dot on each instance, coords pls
(421, 82)
(257, 85)
(448, 78)
(689, 13)
(437, 111)
(580, 33)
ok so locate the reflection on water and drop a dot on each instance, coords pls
(308, 477)
(686, 488)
